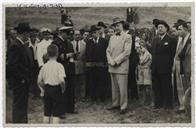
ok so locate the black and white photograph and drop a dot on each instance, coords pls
(124, 64)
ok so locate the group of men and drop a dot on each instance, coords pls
(94, 59)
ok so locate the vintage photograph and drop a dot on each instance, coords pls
(98, 64)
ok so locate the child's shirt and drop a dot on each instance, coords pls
(52, 73)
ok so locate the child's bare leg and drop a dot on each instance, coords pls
(55, 120)
(46, 119)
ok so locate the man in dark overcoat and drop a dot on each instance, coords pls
(163, 52)
(19, 70)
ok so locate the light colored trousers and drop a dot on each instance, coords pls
(119, 90)
(179, 83)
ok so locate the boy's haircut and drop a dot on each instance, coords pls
(52, 50)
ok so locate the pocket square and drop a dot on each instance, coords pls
(166, 43)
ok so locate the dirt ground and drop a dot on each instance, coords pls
(98, 114)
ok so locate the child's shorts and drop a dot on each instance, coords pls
(52, 100)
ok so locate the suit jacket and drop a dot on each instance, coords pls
(79, 60)
(65, 47)
(99, 50)
(185, 57)
(119, 50)
(163, 52)
(19, 62)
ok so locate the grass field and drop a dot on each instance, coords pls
(50, 17)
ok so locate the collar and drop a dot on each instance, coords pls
(163, 36)
(22, 42)
(185, 39)
(61, 37)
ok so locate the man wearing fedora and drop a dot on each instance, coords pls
(163, 52)
(118, 53)
(102, 30)
(19, 69)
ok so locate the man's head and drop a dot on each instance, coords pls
(34, 35)
(12, 33)
(118, 24)
(23, 30)
(46, 33)
(183, 29)
(65, 32)
(77, 35)
(95, 31)
(155, 23)
(174, 31)
(52, 51)
(163, 27)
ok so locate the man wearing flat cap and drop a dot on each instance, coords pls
(163, 51)
(118, 53)
(19, 70)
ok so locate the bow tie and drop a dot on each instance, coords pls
(118, 34)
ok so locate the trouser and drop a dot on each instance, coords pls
(89, 81)
(119, 90)
(33, 84)
(69, 94)
(132, 86)
(179, 83)
(162, 87)
(80, 85)
(20, 102)
(99, 86)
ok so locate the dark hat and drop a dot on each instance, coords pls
(116, 21)
(94, 28)
(101, 24)
(23, 27)
(179, 22)
(155, 22)
(163, 23)
(34, 32)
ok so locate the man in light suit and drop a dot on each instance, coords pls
(118, 53)
(79, 47)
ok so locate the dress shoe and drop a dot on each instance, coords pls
(113, 108)
(123, 111)
(179, 111)
(62, 117)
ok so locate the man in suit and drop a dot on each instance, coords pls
(35, 70)
(19, 70)
(118, 53)
(183, 57)
(163, 52)
(100, 75)
(79, 47)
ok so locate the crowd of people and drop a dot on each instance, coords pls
(96, 63)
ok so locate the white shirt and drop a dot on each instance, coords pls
(74, 45)
(41, 50)
(52, 73)
(34, 48)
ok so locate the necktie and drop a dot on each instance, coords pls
(77, 48)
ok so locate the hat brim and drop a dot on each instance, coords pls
(165, 24)
(117, 22)
(19, 30)
(93, 30)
